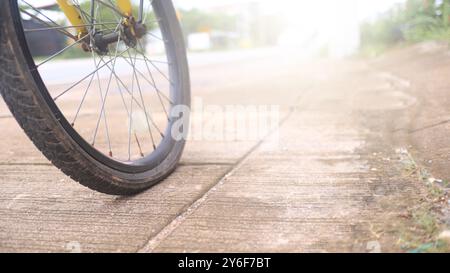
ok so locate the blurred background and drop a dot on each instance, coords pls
(325, 28)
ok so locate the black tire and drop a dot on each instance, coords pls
(29, 104)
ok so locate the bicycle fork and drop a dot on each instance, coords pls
(131, 29)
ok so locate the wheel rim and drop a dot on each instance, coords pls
(124, 127)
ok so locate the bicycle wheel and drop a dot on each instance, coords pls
(105, 113)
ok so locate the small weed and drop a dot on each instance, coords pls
(421, 233)
(426, 220)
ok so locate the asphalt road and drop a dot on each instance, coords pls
(323, 180)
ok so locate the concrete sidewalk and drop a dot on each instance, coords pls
(327, 187)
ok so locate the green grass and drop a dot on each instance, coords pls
(410, 23)
(419, 234)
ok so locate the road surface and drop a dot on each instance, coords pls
(329, 178)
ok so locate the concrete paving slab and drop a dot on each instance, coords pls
(319, 183)
(42, 210)
(312, 193)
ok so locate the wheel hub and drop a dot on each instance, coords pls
(129, 32)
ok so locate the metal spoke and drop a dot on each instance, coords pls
(135, 134)
(89, 18)
(130, 92)
(146, 14)
(82, 100)
(130, 119)
(103, 112)
(115, 15)
(87, 76)
(121, 96)
(158, 92)
(66, 27)
(111, 7)
(152, 83)
(157, 68)
(138, 144)
(45, 16)
(156, 37)
(64, 32)
(123, 84)
(142, 100)
(128, 113)
(155, 61)
(118, 86)
(62, 51)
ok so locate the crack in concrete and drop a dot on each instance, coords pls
(429, 127)
(155, 241)
(421, 129)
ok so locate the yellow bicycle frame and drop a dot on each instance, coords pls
(125, 7)
(74, 16)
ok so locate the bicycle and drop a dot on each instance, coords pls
(110, 126)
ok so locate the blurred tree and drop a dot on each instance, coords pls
(445, 12)
(259, 30)
(199, 21)
(417, 20)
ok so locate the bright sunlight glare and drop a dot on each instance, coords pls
(314, 25)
